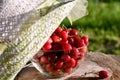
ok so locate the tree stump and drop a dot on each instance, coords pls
(93, 63)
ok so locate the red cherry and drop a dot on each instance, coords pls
(50, 40)
(103, 74)
(63, 42)
(49, 67)
(67, 70)
(83, 50)
(71, 40)
(58, 30)
(43, 60)
(79, 42)
(47, 46)
(76, 40)
(81, 56)
(65, 58)
(56, 72)
(71, 63)
(67, 31)
(56, 46)
(59, 64)
(77, 62)
(52, 57)
(64, 35)
(74, 53)
(66, 47)
(53, 34)
(76, 37)
(73, 32)
(85, 38)
(56, 39)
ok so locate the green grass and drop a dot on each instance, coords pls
(102, 25)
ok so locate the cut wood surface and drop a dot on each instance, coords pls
(92, 64)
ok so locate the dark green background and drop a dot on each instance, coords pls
(1, 0)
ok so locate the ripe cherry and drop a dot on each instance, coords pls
(63, 42)
(56, 38)
(67, 31)
(50, 40)
(79, 43)
(74, 53)
(85, 38)
(77, 62)
(59, 64)
(71, 40)
(83, 49)
(52, 57)
(65, 58)
(103, 74)
(67, 70)
(71, 63)
(47, 46)
(73, 32)
(49, 67)
(43, 60)
(56, 72)
(64, 35)
(81, 56)
(76, 37)
(56, 46)
(66, 47)
(58, 30)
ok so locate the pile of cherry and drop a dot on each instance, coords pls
(63, 51)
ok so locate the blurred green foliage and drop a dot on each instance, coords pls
(106, 0)
(1, 1)
(102, 25)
